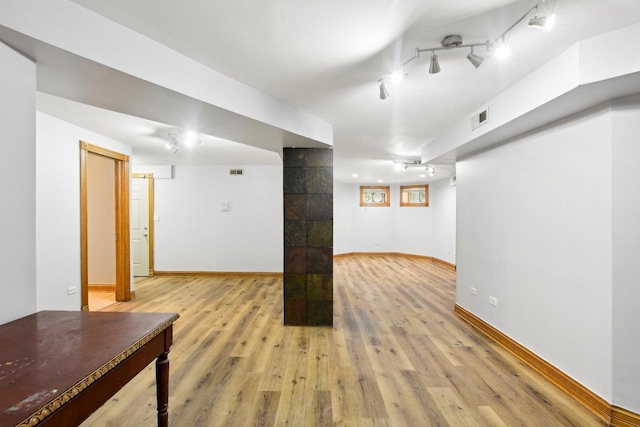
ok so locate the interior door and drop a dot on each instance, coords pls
(140, 226)
(123, 228)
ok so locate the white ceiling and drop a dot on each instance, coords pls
(326, 57)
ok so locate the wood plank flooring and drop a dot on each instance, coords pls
(99, 300)
(396, 356)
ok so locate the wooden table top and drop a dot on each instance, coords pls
(49, 357)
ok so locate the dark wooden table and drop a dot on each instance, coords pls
(58, 367)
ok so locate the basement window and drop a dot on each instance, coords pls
(374, 195)
(414, 195)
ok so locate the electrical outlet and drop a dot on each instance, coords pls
(493, 301)
(473, 291)
(72, 290)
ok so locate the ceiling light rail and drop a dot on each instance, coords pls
(402, 165)
(455, 42)
(448, 43)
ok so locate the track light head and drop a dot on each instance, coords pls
(545, 23)
(501, 50)
(434, 65)
(190, 137)
(173, 145)
(431, 170)
(398, 76)
(400, 166)
(384, 94)
(538, 22)
(476, 60)
(177, 139)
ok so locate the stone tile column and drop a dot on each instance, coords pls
(308, 236)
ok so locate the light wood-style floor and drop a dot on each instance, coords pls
(396, 356)
(99, 300)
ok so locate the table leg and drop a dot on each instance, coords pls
(162, 385)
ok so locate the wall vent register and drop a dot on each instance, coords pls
(480, 118)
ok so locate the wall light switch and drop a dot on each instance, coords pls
(493, 301)
(474, 291)
(156, 218)
(224, 206)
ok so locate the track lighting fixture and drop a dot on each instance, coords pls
(402, 165)
(173, 145)
(384, 94)
(398, 76)
(476, 60)
(497, 47)
(434, 66)
(190, 138)
(542, 22)
(177, 139)
(501, 50)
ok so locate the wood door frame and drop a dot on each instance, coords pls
(123, 251)
(150, 183)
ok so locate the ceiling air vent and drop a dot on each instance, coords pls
(480, 118)
(235, 172)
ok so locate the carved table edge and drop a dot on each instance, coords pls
(38, 416)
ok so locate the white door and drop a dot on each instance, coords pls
(140, 226)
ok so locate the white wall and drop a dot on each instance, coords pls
(343, 208)
(442, 197)
(58, 209)
(101, 220)
(158, 171)
(534, 231)
(192, 234)
(626, 249)
(367, 229)
(17, 176)
(413, 226)
(410, 230)
(370, 229)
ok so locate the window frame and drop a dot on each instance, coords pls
(407, 203)
(382, 189)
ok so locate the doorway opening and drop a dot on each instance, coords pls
(122, 259)
(142, 224)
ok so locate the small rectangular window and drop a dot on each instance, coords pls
(414, 195)
(375, 195)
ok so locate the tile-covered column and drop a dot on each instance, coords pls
(308, 236)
